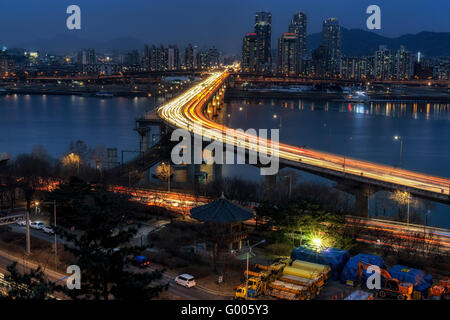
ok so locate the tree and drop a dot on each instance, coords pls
(104, 250)
(28, 286)
(32, 172)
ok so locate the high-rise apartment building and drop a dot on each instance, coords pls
(263, 30)
(298, 26)
(288, 54)
(173, 58)
(331, 39)
(383, 63)
(249, 53)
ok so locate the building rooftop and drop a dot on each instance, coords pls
(221, 211)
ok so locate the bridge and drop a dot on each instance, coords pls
(194, 109)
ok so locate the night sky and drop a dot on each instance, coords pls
(206, 22)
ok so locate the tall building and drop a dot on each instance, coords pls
(145, 62)
(203, 60)
(6, 63)
(383, 63)
(132, 58)
(189, 57)
(158, 58)
(249, 53)
(288, 54)
(320, 63)
(298, 26)
(263, 30)
(356, 67)
(331, 39)
(87, 57)
(214, 57)
(173, 58)
(403, 64)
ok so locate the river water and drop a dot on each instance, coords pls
(360, 131)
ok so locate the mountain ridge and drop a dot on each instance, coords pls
(355, 42)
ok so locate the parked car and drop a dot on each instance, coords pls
(37, 225)
(185, 280)
(48, 230)
(141, 261)
(21, 222)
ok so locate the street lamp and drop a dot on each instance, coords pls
(275, 116)
(168, 175)
(345, 152)
(248, 252)
(329, 136)
(290, 186)
(426, 217)
(37, 203)
(401, 149)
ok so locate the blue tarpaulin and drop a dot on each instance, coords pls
(335, 258)
(350, 271)
(420, 280)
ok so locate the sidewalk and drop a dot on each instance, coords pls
(29, 264)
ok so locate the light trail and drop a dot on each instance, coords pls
(186, 111)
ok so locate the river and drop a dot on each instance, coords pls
(357, 130)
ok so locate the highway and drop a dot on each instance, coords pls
(187, 111)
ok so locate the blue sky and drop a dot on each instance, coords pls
(221, 23)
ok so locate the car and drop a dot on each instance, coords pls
(48, 230)
(21, 222)
(37, 225)
(185, 280)
(142, 261)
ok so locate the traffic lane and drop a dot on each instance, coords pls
(38, 234)
(192, 293)
(24, 265)
(192, 112)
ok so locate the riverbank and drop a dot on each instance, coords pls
(234, 93)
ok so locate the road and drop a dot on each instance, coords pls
(174, 289)
(186, 111)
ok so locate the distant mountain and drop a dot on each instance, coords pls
(357, 42)
(66, 43)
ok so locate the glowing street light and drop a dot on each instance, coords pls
(401, 149)
(317, 242)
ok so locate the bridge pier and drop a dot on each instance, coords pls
(362, 194)
(362, 202)
(150, 129)
(270, 184)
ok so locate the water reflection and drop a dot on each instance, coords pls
(389, 109)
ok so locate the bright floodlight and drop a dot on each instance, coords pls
(317, 241)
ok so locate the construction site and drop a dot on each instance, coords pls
(312, 271)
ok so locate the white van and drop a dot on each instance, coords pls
(185, 280)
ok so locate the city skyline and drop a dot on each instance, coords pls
(175, 26)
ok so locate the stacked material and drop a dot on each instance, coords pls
(305, 265)
(297, 280)
(287, 286)
(308, 274)
(350, 274)
(419, 279)
(335, 258)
